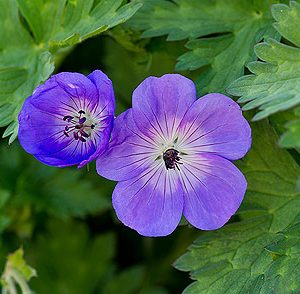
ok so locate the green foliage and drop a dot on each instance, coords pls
(259, 254)
(25, 59)
(86, 262)
(16, 273)
(137, 61)
(222, 34)
(28, 186)
(290, 138)
(275, 83)
(4, 220)
(132, 278)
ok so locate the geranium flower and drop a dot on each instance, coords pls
(172, 154)
(68, 119)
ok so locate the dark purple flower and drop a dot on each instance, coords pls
(172, 155)
(68, 119)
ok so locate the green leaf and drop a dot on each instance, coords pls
(234, 26)
(137, 61)
(127, 282)
(275, 83)
(4, 196)
(64, 23)
(69, 260)
(290, 138)
(17, 273)
(242, 257)
(60, 192)
(63, 193)
(31, 29)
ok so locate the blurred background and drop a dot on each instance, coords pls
(63, 218)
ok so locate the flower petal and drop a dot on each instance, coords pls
(214, 189)
(41, 132)
(129, 153)
(100, 141)
(215, 124)
(161, 103)
(105, 109)
(72, 154)
(64, 93)
(106, 98)
(151, 204)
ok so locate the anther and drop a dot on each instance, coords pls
(84, 134)
(77, 126)
(82, 120)
(68, 118)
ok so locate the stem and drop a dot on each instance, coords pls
(21, 281)
(10, 288)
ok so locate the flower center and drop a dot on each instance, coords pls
(171, 159)
(80, 125)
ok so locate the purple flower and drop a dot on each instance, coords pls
(172, 155)
(68, 119)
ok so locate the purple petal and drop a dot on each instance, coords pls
(129, 152)
(74, 153)
(106, 102)
(214, 189)
(65, 93)
(215, 124)
(41, 132)
(151, 204)
(159, 104)
(100, 142)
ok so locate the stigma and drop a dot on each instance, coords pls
(171, 159)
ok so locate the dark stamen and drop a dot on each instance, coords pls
(171, 159)
(77, 126)
(84, 134)
(68, 118)
(82, 120)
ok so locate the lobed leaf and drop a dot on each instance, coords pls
(222, 34)
(33, 31)
(274, 84)
(260, 253)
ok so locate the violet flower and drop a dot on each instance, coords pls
(68, 119)
(172, 154)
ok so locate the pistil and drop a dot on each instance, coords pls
(171, 159)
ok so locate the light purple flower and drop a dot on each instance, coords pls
(172, 155)
(68, 119)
